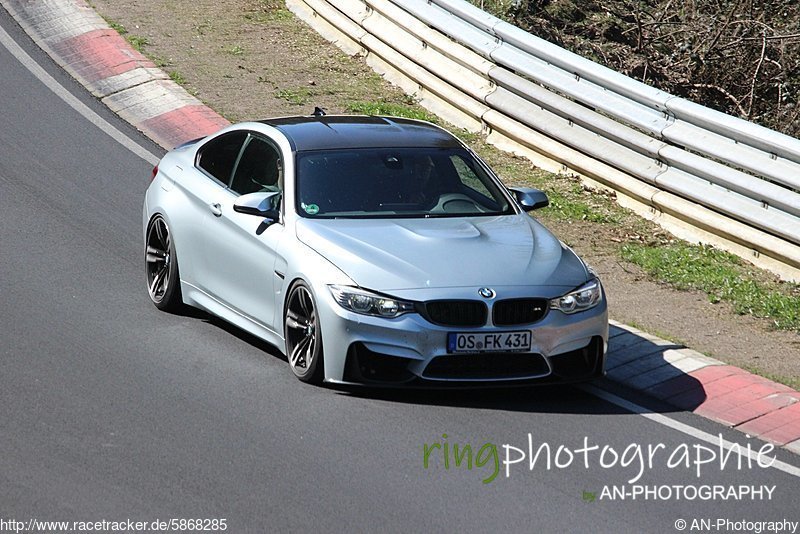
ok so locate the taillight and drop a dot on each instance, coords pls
(155, 171)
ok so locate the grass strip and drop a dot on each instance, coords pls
(722, 276)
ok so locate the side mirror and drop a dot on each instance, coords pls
(259, 204)
(530, 199)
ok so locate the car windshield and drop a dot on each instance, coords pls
(385, 183)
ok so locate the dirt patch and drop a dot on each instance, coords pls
(247, 59)
(252, 59)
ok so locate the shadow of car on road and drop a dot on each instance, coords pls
(641, 368)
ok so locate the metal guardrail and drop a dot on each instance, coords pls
(701, 173)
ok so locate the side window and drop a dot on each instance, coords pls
(259, 168)
(218, 157)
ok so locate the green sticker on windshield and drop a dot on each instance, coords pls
(311, 209)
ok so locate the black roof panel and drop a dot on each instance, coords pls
(353, 131)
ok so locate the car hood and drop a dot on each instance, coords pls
(396, 254)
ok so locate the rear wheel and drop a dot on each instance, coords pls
(303, 335)
(163, 282)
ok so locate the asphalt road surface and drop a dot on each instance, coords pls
(111, 410)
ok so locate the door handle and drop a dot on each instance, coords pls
(216, 209)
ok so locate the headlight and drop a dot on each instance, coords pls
(367, 303)
(585, 297)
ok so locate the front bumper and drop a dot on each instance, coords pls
(379, 370)
(410, 351)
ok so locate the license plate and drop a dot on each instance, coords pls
(519, 341)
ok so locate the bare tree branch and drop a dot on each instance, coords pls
(774, 37)
(755, 75)
(728, 20)
(730, 97)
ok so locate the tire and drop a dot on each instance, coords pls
(161, 265)
(303, 334)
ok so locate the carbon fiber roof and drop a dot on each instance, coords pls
(352, 131)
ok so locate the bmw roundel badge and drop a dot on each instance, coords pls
(487, 292)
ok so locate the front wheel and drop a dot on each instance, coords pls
(303, 334)
(163, 282)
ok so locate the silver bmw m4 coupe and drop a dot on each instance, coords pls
(371, 250)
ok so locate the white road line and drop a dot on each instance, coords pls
(684, 428)
(34, 68)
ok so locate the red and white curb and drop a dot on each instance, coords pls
(81, 42)
(131, 85)
(691, 381)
